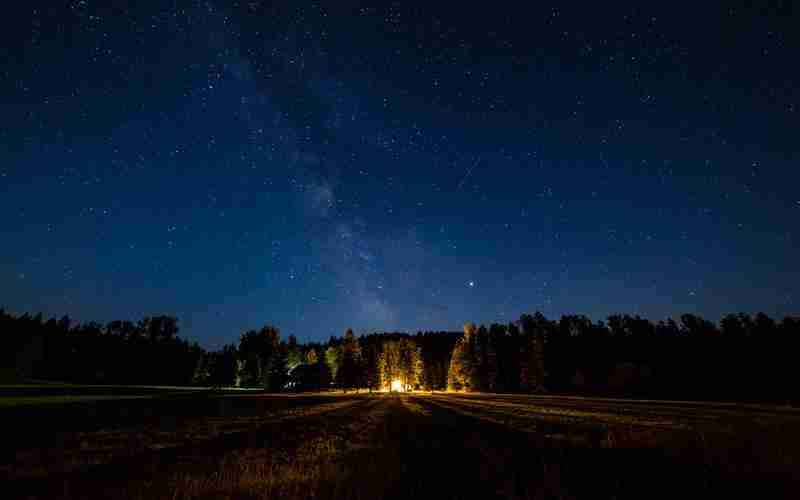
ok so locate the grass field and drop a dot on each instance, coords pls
(206, 445)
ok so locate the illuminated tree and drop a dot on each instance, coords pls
(410, 365)
(294, 355)
(400, 365)
(389, 364)
(332, 359)
(461, 375)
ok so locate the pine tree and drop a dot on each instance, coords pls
(485, 376)
(349, 372)
(223, 368)
(276, 372)
(494, 344)
(410, 364)
(532, 373)
(294, 356)
(332, 358)
(369, 362)
(400, 360)
(461, 375)
(389, 364)
(323, 372)
(256, 350)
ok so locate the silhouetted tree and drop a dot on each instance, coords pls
(349, 373)
(259, 352)
(436, 350)
(223, 367)
(744, 357)
(277, 370)
(370, 353)
(533, 330)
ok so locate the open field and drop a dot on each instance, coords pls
(205, 445)
(36, 394)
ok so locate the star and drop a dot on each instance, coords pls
(259, 162)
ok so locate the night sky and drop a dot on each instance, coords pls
(397, 167)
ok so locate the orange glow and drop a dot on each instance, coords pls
(397, 385)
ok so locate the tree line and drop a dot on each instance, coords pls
(120, 352)
(743, 357)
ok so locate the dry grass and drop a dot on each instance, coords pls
(384, 446)
(112, 442)
(260, 474)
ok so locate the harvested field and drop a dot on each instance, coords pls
(399, 446)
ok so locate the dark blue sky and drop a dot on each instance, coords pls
(397, 167)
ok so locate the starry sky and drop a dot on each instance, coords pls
(397, 165)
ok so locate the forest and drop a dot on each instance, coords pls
(741, 358)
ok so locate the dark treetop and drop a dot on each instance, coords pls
(396, 167)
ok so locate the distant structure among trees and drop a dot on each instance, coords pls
(744, 357)
(400, 365)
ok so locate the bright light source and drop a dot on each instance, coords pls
(397, 385)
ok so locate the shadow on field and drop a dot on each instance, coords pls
(460, 457)
(32, 425)
(119, 441)
(389, 446)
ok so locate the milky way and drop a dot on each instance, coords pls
(390, 168)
